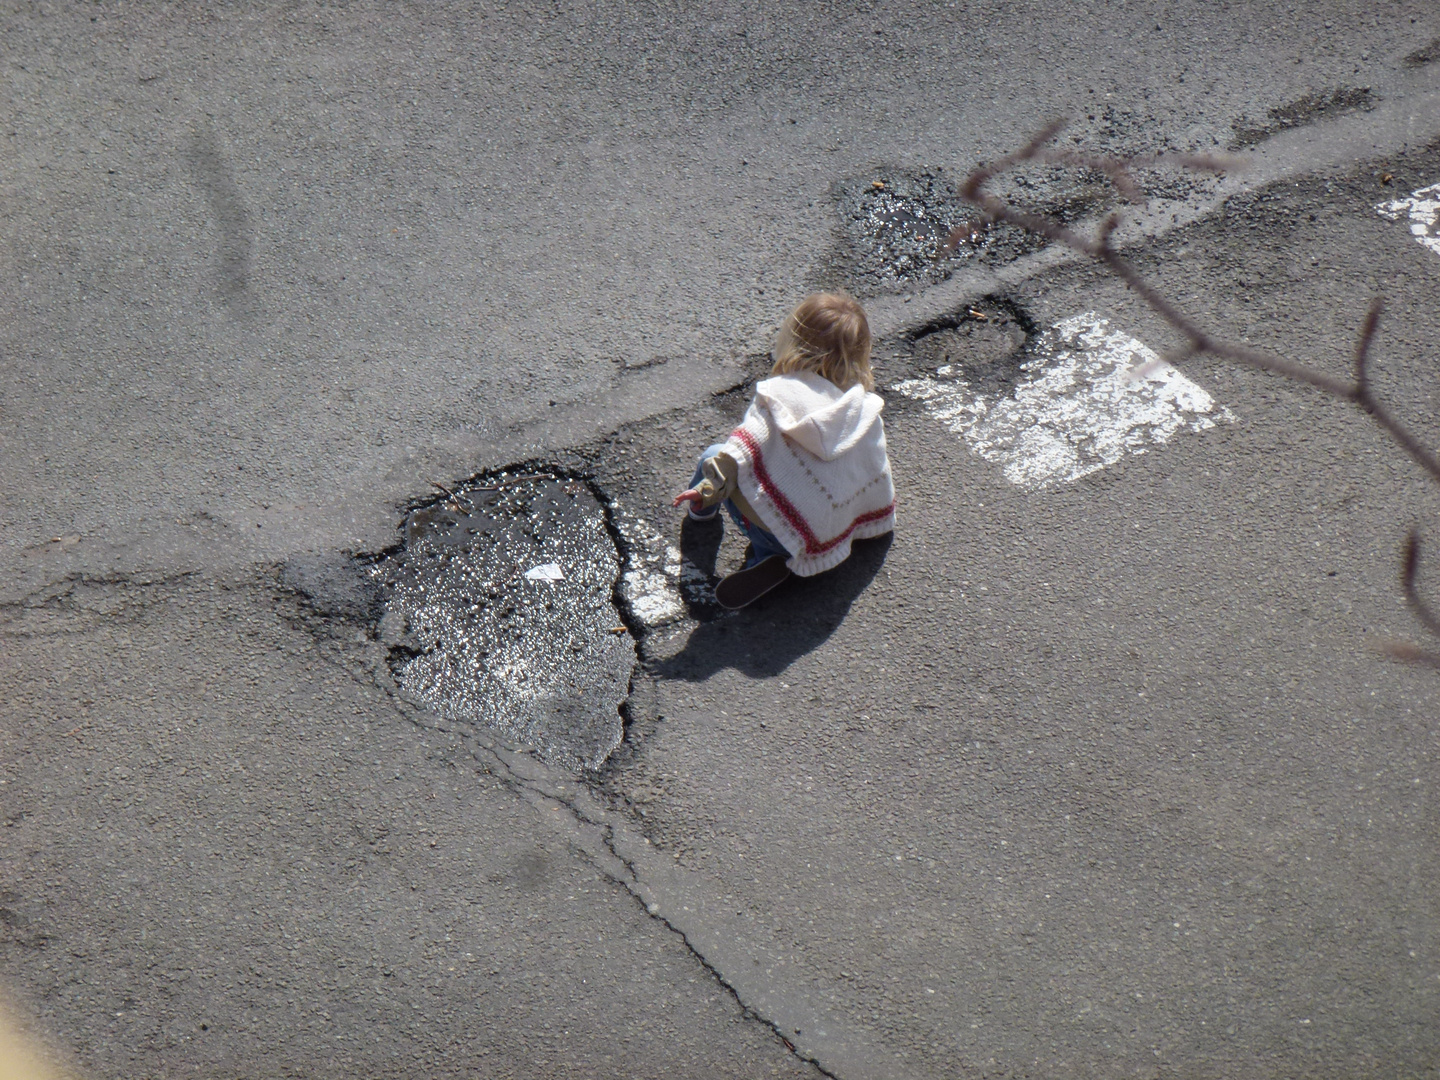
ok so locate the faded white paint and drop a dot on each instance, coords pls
(651, 581)
(1423, 210)
(1088, 396)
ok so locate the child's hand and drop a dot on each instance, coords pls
(693, 497)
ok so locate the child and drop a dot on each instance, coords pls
(806, 471)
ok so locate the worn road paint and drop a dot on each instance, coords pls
(1423, 210)
(1088, 396)
(650, 584)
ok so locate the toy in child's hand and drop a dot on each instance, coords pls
(693, 497)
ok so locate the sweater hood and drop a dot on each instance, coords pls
(815, 413)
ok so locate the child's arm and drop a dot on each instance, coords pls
(721, 474)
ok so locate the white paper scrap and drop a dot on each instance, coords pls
(545, 572)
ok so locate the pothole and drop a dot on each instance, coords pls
(499, 609)
(896, 224)
(906, 230)
(984, 344)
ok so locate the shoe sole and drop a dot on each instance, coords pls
(744, 587)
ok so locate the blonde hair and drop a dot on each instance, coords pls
(828, 334)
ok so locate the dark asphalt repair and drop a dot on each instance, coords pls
(987, 342)
(895, 226)
(1323, 105)
(500, 609)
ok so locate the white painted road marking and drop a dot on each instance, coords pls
(651, 584)
(1088, 397)
(1423, 210)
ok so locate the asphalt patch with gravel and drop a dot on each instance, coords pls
(499, 609)
(903, 230)
(896, 225)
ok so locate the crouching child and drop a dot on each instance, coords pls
(806, 472)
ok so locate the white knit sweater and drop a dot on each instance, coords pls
(812, 464)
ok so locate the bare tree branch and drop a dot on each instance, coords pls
(1411, 654)
(1099, 247)
(1362, 348)
(1409, 572)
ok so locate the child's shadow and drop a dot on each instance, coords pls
(772, 633)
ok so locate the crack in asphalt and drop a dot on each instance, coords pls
(627, 877)
(62, 598)
(630, 882)
(601, 838)
(604, 839)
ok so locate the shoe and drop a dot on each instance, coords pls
(746, 586)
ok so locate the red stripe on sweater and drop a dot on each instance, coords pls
(792, 516)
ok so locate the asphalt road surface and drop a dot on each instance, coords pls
(1096, 769)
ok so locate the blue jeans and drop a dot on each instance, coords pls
(762, 541)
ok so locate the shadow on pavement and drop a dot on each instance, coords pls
(772, 633)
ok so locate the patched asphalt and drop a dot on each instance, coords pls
(500, 610)
(1105, 778)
